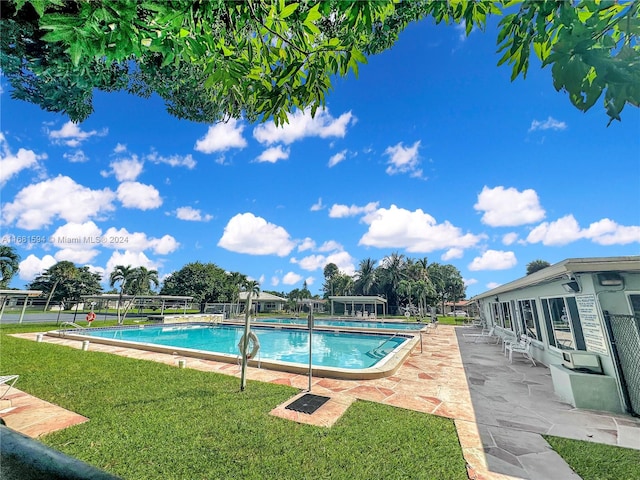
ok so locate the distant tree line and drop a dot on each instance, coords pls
(403, 281)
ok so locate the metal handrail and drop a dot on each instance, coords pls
(71, 324)
(375, 350)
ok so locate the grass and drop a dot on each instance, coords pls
(149, 421)
(594, 461)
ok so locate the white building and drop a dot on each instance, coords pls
(582, 315)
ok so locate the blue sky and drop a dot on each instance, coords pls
(432, 152)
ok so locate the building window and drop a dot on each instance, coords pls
(507, 315)
(495, 313)
(529, 315)
(634, 300)
(563, 323)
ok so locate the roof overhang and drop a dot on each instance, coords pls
(116, 296)
(566, 269)
(20, 293)
(358, 299)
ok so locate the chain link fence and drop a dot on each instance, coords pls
(626, 332)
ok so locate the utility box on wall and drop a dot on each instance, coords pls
(581, 361)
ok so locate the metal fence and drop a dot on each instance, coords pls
(626, 335)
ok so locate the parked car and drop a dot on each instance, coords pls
(459, 313)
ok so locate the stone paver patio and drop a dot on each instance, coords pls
(500, 410)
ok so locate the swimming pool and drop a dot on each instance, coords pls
(334, 354)
(332, 322)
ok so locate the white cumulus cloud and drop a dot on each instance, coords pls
(452, 253)
(38, 204)
(608, 232)
(291, 278)
(342, 211)
(192, 214)
(549, 124)
(76, 157)
(11, 164)
(415, 231)
(221, 137)
(404, 159)
(302, 125)
(71, 135)
(317, 206)
(33, 266)
(122, 239)
(494, 260)
(77, 241)
(127, 169)
(507, 207)
(138, 195)
(337, 158)
(273, 154)
(561, 232)
(509, 238)
(172, 160)
(246, 233)
(306, 244)
(135, 259)
(566, 230)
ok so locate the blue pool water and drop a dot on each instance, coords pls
(329, 349)
(395, 326)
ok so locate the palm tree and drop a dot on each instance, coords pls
(366, 276)
(144, 280)
(236, 281)
(394, 270)
(330, 272)
(405, 288)
(9, 264)
(124, 276)
(61, 272)
(423, 289)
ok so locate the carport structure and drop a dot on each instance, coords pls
(161, 302)
(362, 303)
(7, 295)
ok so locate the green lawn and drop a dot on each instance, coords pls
(593, 461)
(151, 421)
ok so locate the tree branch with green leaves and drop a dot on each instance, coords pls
(262, 59)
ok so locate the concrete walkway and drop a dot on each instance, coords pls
(500, 410)
(515, 403)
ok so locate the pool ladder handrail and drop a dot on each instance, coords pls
(375, 352)
(71, 324)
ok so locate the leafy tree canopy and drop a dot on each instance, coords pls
(259, 59)
(536, 265)
(205, 282)
(9, 264)
(64, 282)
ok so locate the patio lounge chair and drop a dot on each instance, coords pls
(523, 347)
(488, 335)
(8, 380)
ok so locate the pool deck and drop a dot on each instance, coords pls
(500, 409)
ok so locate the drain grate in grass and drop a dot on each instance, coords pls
(308, 403)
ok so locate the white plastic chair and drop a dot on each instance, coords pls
(523, 347)
(8, 380)
(485, 335)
